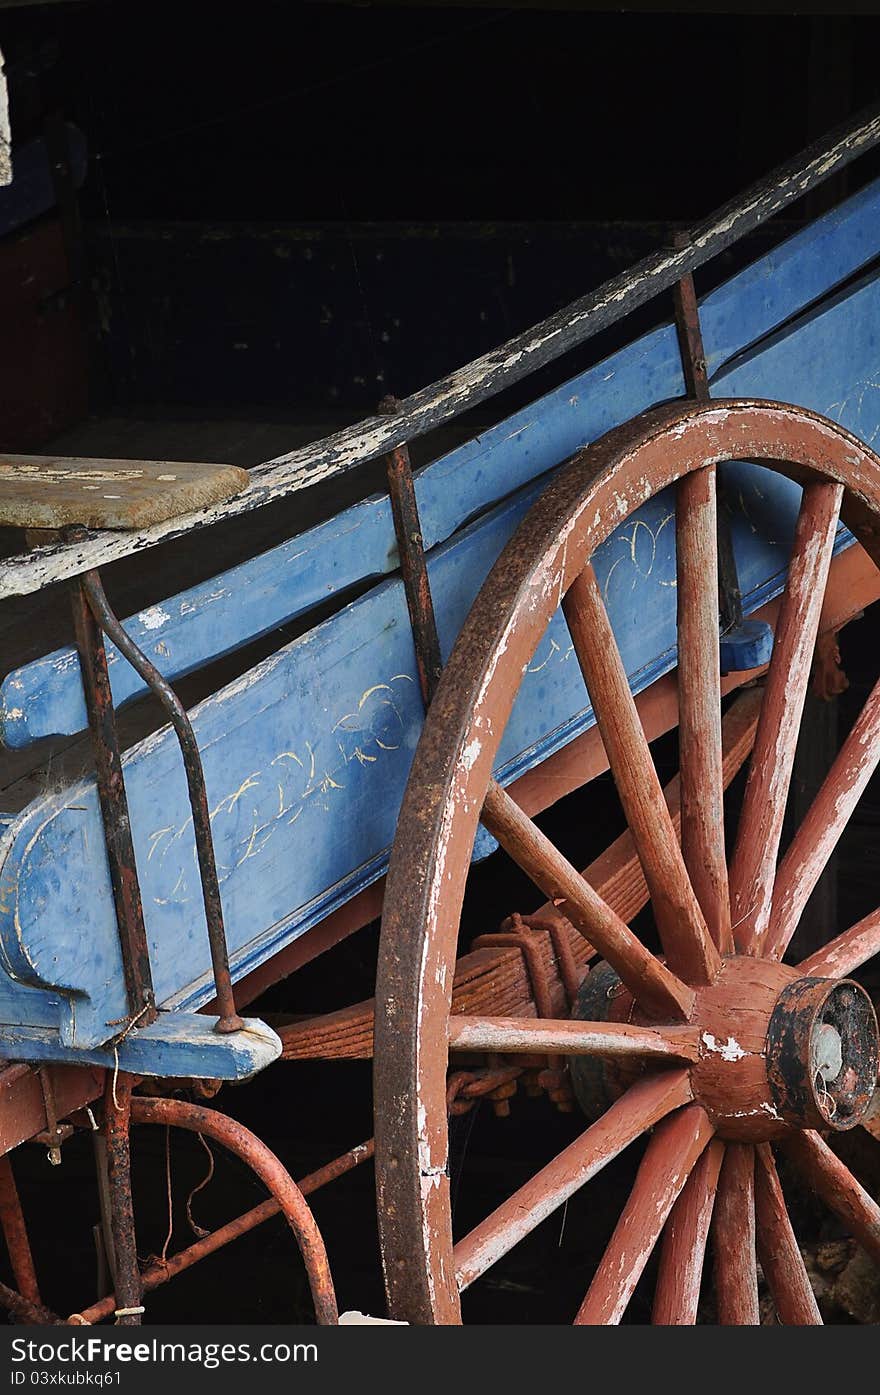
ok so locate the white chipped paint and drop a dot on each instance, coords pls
(154, 618)
(729, 1050)
(470, 754)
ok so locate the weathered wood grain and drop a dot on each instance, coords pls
(683, 1249)
(813, 843)
(639, 1109)
(652, 984)
(733, 1239)
(699, 730)
(690, 951)
(847, 951)
(841, 1192)
(778, 1249)
(42, 491)
(567, 1036)
(754, 859)
(674, 1148)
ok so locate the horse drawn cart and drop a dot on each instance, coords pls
(669, 539)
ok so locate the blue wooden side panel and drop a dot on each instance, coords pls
(187, 631)
(841, 379)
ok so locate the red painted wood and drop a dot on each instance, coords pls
(652, 984)
(468, 1033)
(645, 1103)
(847, 952)
(778, 1249)
(689, 948)
(842, 1193)
(754, 859)
(699, 685)
(682, 1253)
(827, 817)
(733, 1239)
(675, 1146)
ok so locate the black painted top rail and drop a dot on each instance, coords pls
(480, 380)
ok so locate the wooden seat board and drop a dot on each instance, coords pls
(42, 491)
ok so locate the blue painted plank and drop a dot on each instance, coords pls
(802, 269)
(841, 378)
(177, 1044)
(188, 630)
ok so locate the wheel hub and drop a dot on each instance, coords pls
(777, 1051)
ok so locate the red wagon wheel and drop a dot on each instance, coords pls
(727, 1049)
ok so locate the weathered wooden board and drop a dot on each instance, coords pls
(476, 382)
(186, 631)
(41, 491)
(181, 1044)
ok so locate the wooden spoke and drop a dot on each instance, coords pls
(733, 1239)
(645, 1103)
(699, 700)
(689, 948)
(652, 984)
(683, 1250)
(847, 952)
(572, 1037)
(675, 1146)
(841, 1192)
(500, 985)
(826, 819)
(778, 1249)
(617, 873)
(760, 827)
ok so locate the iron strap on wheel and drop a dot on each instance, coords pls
(482, 379)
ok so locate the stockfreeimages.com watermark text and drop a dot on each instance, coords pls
(30, 1357)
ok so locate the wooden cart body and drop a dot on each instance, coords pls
(306, 754)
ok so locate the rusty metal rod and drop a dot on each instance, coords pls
(271, 1172)
(16, 1236)
(229, 1020)
(117, 1121)
(159, 1274)
(414, 570)
(114, 809)
(26, 1311)
(696, 379)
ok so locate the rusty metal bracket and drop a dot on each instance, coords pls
(114, 809)
(744, 643)
(411, 550)
(54, 1133)
(104, 620)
